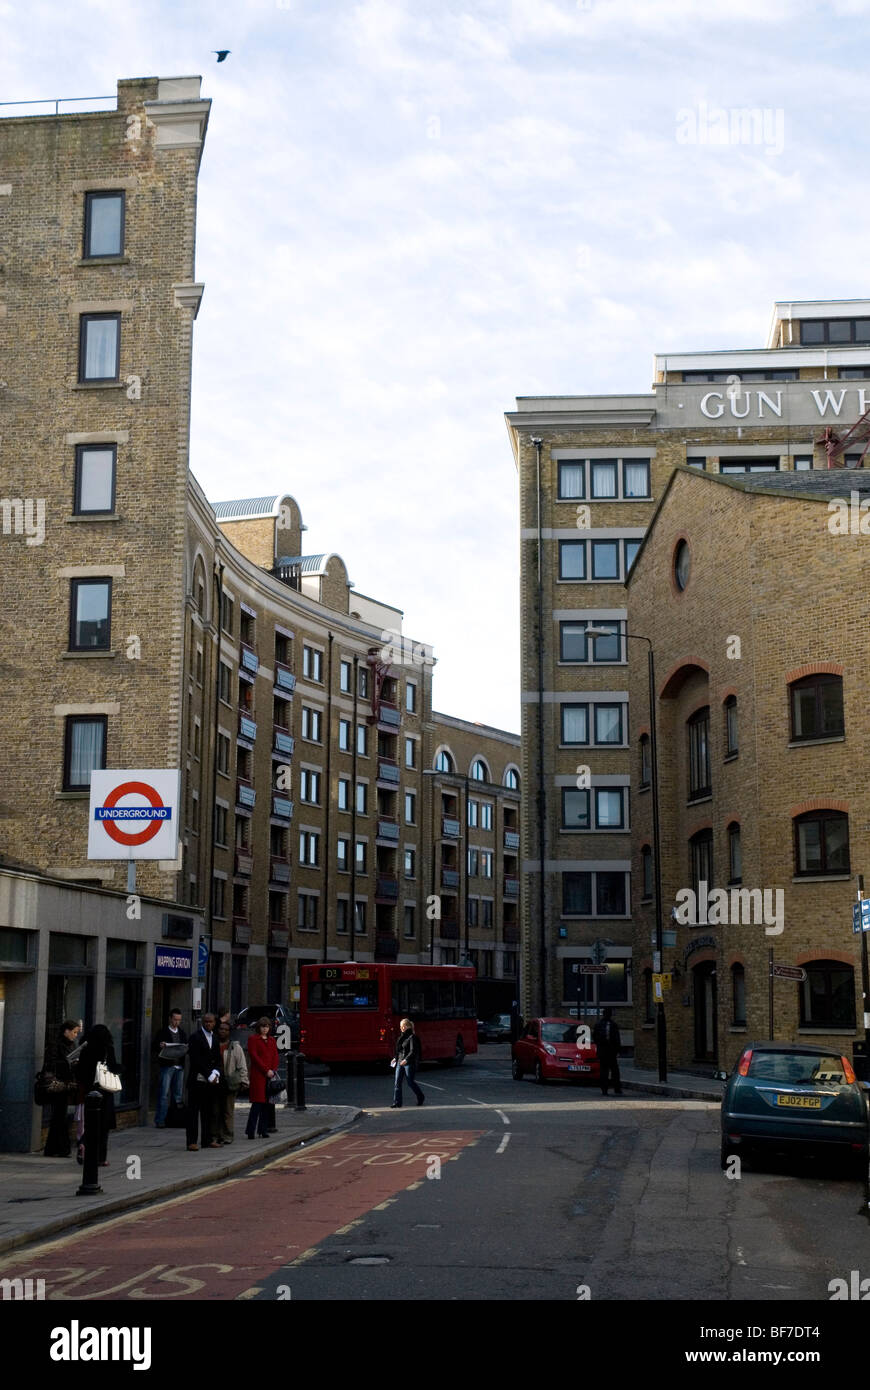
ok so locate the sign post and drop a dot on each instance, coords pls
(861, 923)
(782, 972)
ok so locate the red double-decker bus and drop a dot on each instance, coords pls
(351, 1012)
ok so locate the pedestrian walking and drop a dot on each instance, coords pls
(97, 1048)
(262, 1066)
(605, 1036)
(203, 1076)
(170, 1059)
(235, 1075)
(407, 1059)
(57, 1064)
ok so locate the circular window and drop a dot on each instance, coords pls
(682, 565)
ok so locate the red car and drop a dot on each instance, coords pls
(548, 1049)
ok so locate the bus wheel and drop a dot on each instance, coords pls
(459, 1054)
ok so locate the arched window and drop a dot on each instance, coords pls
(443, 762)
(730, 708)
(821, 843)
(827, 995)
(816, 707)
(646, 866)
(701, 860)
(738, 996)
(479, 771)
(645, 760)
(735, 857)
(512, 779)
(699, 753)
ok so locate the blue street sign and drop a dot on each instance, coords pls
(861, 915)
(173, 962)
(202, 958)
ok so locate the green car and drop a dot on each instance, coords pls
(791, 1096)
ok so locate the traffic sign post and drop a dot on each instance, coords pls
(780, 972)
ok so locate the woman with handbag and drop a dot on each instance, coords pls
(97, 1069)
(263, 1068)
(235, 1076)
(60, 1087)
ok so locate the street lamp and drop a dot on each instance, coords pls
(661, 1024)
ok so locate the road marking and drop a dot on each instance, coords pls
(249, 1293)
(504, 1117)
(503, 1145)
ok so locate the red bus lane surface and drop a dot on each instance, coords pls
(221, 1243)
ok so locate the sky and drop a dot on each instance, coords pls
(411, 213)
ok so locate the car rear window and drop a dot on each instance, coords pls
(797, 1067)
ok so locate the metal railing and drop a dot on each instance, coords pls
(47, 101)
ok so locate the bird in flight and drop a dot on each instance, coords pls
(221, 53)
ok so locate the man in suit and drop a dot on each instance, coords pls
(203, 1083)
(605, 1036)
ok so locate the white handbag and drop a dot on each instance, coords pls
(105, 1079)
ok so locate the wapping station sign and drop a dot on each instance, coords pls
(134, 814)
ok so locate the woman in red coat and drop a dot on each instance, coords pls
(262, 1066)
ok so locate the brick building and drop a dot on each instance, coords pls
(591, 470)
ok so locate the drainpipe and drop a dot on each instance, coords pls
(328, 847)
(217, 580)
(353, 815)
(542, 792)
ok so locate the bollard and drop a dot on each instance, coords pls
(299, 1103)
(90, 1185)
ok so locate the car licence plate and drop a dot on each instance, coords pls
(800, 1102)
(577, 1068)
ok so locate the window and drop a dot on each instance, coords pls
(309, 786)
(220, 824)
(803, 463)
(410, 863)
(575, 809)
(223, 754)
(307, 912)
(90, 613)
(834, 331)
(344, 677)
(609, 808)
(443, 762)
(363, 683)
(472, 912)
(738, 996)
(635, 474)
(512, 779)
(577, 894)
(410, 925)
(362, 798)
(572, 559)
(699, 753)
(362, 740)
(700, 463)
(646, 875)
(361, 856)
(479, 771)
(645, 760)
(631, 549)
(735, 858)
(344, 793)
(411, 697)
(486, 815)
(104, 225)
(572, 480)
(312, 664)
(731, 726)
(344, 735)
(575, 724)
(486, 863)
(827, 995)
(410, 808)
(682, 565)
(701, 861)
(608, 723)
(343, 854)
(821, 843)
(360, 923)
(218, 897)
(473, 808)
(309, 842)
(608, 891)
(342, 916)
(472, 863)
(95, 479)
(311, 724)
(575, 646)
(778, 374)
(602, 474)
(99, 347)
(817, 707)
(84, 749)
(410, 752)
(605, 559)
(770, 465)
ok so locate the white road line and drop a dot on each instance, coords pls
(504, 1117)
(432, 1087)
(503, 1145)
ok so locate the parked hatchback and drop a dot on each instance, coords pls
(549, 1050)
(495, 1029)
(794, 1097)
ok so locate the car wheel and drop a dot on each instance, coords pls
(459, 1054)
(539, 1074)
(516, 1070)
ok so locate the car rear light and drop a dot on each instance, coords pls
(848, 1070)
(743, 1064)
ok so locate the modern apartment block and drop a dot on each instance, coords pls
(591, 470)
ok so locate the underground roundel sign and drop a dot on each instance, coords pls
(134, 814)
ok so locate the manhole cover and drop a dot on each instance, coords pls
(370, 1260)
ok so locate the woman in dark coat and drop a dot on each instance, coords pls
(262, 1066)
(57, 1144)
(97, 1047)
(406, 1062)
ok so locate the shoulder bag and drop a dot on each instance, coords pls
(106, 1080)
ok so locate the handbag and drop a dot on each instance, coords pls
(106, 1080)
(274, 1086)
(47, 1088)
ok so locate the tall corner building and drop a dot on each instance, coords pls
(592, 472)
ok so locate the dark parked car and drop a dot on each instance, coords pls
(495, 1029)
(279, 1015)
(791, 1096)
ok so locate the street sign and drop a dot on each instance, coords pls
(661, 983)
(788, 972)
(861, 915)
(173, 962)
(202, 958)
(591, 969)
(134, 814)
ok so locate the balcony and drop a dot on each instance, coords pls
(511, 933)
(388, 829)
(389, 716)
(279, 870)
(449, 878)
(282, 807)
(512, 887)
(244, 862)
(450, 828)
(247, 727)
(283, 741)
(388, 771)
(245, 794)
(512, 839)
(279, 938)
(249, 659)
(386, 888)
(241, 931)
(448, 928)
(284, 677)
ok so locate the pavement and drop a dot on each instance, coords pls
(39, 1194)
(682, 1085)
